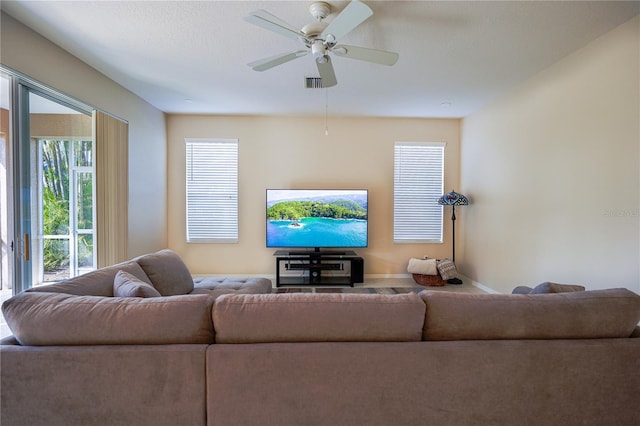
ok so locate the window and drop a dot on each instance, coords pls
(212, 190)
(418, 183)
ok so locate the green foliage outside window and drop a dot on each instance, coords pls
(55, 203)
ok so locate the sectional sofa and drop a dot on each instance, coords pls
(109, 351)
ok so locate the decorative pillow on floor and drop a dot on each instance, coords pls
(422, 266)
(127, 285)
(447, 269)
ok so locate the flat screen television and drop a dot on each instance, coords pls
(312, 219)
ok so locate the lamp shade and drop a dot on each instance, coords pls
(453, 199)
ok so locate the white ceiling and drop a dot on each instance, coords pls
(191, 56)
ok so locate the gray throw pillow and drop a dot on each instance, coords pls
(127, 285)
(167, 272)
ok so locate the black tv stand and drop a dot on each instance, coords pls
(318, 268)
(316, 252)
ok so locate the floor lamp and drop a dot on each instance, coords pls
(453, 199)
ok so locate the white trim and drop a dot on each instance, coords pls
(480, 286)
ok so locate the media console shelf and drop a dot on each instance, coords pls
(320, 268)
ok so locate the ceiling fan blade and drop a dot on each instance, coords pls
(351, 16)
(272, 61)
(266, 20)
(327, 74)
(363, 54)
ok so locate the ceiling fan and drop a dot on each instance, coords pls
(320, 38)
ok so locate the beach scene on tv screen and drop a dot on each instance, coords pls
(317, 218)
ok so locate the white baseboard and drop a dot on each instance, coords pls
(480, 286)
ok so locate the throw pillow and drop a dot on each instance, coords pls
(167, 272)
(447, 269)
(548, 287)
(422, 266)
(127, 285)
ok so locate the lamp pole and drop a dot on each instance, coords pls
(453, 233)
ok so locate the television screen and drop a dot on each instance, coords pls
(317, 218)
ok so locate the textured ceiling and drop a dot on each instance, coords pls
(190, 57)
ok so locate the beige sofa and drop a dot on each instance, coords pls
(321, 359)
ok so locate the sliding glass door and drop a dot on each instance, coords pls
(6, 201)
(54, 189)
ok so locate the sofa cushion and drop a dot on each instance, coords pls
(222, 285)
(94, 283)
(594, 314)
(312, 317)
(62, 319)
(126, 285)
(167, 272)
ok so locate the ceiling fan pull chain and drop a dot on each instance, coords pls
(326, 112)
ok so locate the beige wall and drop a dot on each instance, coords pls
(27, 52)
(553, 172)
(293, 152)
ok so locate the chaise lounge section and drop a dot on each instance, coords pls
(321, 359)
(164, 270)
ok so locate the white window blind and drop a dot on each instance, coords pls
(418, 183)
(212, 190)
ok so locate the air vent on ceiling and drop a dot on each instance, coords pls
(313, 82)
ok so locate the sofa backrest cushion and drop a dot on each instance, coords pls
(312, 317)
(126, 285)
(94, 283)
(167, 272)
(62, 319)
(594, 314)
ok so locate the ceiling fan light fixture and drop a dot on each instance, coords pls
(330, 40)
(318, 49)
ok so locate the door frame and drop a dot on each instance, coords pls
(19, 180)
